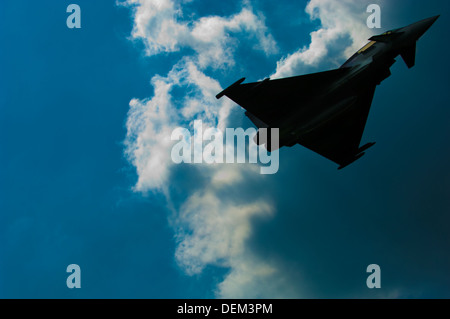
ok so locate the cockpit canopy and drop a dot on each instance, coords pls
(387, 36)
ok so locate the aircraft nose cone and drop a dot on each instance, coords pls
(419, 28)
(430, 21)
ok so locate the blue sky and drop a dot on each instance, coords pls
(84, 115)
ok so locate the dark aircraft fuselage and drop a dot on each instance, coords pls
(327, 111)
(369, 65)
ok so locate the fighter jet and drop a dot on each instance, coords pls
(327, 111)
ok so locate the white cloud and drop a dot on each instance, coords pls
(160, 24)
(148, 144)
(156, 22)
(214, 224)
(251, 278)
(211, 227)
(151, 122)
(214, 229)
(226, 175)
(339, 19)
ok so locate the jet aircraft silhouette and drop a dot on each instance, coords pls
(327, 111)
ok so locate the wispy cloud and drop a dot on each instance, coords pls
(212, 225)
(215, 220)
(162, 27)
(339, 20)
(151, 121)
(217, 225)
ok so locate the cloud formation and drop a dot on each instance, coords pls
(218, 226)
(151, 121)
(160, 24)
(340, 20)
(214, 221)
(211, 225)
